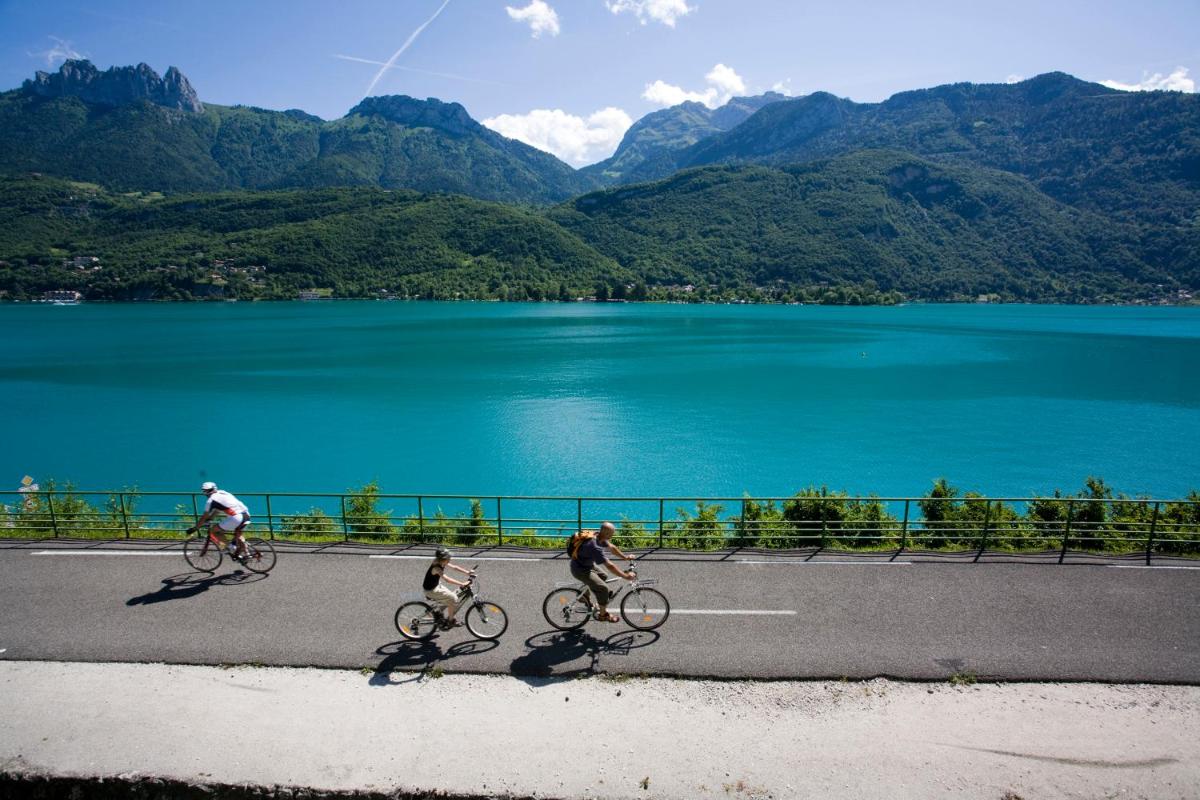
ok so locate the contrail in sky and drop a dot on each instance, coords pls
(450, 75)
(407, 42)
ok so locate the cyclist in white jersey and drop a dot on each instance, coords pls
(227, 513)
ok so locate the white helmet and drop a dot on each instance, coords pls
(208, 486)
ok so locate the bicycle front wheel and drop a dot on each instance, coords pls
(415, 621)
(487, 620)
(260, 555)
(202, 553)
(565, 609)
(645, 609)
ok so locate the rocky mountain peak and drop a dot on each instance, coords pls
(451, 118)
(116, 86)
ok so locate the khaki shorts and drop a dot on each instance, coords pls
(445, 596)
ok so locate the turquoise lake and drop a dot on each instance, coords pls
(489, 398)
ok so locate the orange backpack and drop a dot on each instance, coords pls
(576, 541)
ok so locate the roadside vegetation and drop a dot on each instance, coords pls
(1095, 519)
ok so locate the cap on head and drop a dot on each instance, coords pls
(208, 486)
(441, 554)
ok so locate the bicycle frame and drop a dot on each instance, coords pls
(585, 591)
(467, 596)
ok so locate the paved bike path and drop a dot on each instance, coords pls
(869, 617)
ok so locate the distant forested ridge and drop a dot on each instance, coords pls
(128, 141)
(124, 185)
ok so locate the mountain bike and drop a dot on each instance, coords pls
(204, 552)
(420, 619)
(570, 605)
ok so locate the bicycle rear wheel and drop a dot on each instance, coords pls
(487, 620)
(645, 609)
(415, 620)
(565, 609)
(202, 553)
(260, 555)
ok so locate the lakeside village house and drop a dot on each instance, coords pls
(61, 296)
(82, 262)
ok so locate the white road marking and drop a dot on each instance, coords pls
(1144, 566)
(173, 553)
(463, 559)
(822, 563)
(734, 612)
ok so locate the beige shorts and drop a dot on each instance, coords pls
(444, 595)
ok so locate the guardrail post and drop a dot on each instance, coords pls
(195, 509)
(660, 523)
(983, 536)
(742, 524)
(579, 513)
(1066, 531)
(53, 519)
(824, 526)
(1150, 538)
(421, 516)
(499, 524)
(124, 516)
(904, 528)
(270, 519)
(345, 525)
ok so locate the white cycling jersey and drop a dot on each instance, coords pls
(225, 502)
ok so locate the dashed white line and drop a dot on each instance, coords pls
(173, 553)
(823, 563)
(750, 612)
(463, 559)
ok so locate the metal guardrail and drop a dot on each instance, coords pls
(806, 520)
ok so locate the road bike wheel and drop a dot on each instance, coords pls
(564, 609)
(202, 553)
(645, 609)
(415, 620)
(260, 555)
(487, 620)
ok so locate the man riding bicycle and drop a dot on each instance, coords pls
(586, 558)
(229, 515)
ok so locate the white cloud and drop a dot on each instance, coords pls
(723, 83)
(540, 16)
(574, 139)
(784, 87)
(664, 11)
(1177, 81)
(665, 94)
(726, 81)
(1014, 78)
(60, 51)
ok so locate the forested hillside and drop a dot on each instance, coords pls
(879, 219)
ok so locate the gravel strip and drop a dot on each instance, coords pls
(600, 737)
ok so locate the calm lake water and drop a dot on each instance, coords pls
(601, 399)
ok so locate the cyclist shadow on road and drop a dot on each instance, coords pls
(190, 584)
(407, 656)
(573, 653)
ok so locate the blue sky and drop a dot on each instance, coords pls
(570, 75)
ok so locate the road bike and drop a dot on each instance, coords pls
(570, 605)
(420, 619)
(204, 552)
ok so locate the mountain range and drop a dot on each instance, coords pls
(1050, 188)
